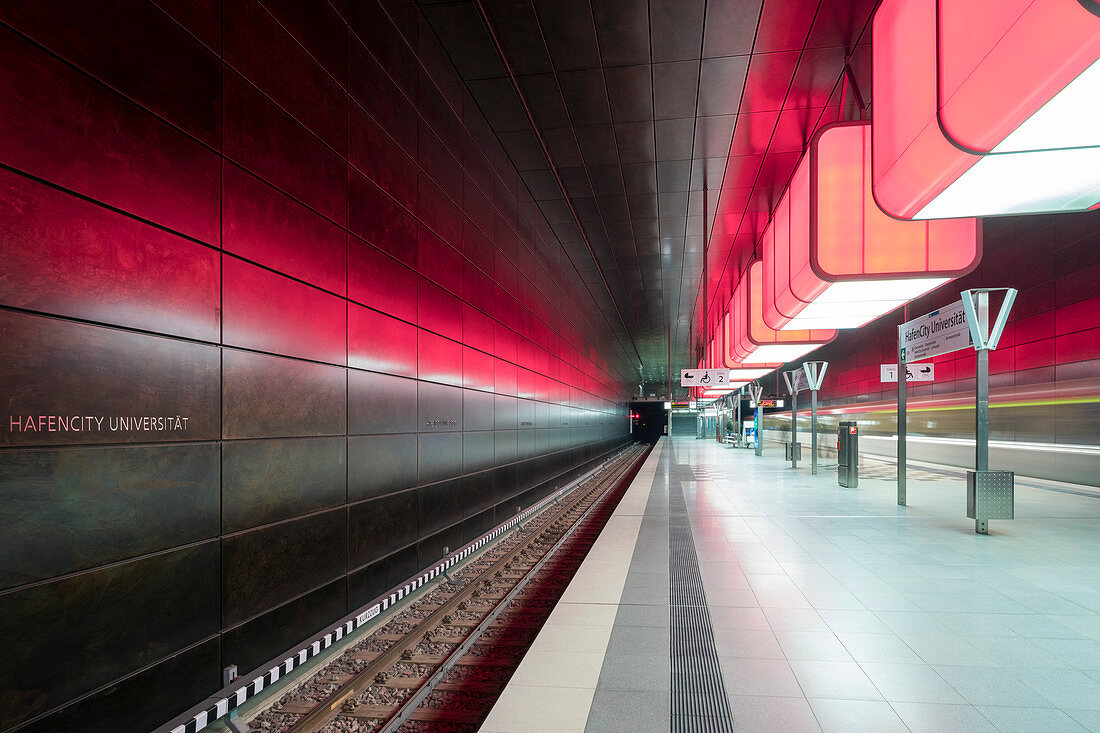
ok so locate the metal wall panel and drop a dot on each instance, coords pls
(380, 465)
(380, 526)
(152, 59)
(267, 481)
(264, 567)
(82, 261)
(264, 139)
(59, 368)
(380, 403)
(144, 610)
(262, 638)
(166, 687)
(70, 509)
(439, 456)
(127, 158)
(365, 584)
(266, 311)
(264, 225)
(269, 397)
(347, 365)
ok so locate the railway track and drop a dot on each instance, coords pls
(439, 664)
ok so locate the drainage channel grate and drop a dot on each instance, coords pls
(699, 702)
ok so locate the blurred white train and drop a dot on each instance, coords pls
(1040, 431)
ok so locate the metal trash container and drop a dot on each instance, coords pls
(847, 454)
(793, 451)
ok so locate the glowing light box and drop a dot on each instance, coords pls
(833, 259)
(750, 341)
(986, 107)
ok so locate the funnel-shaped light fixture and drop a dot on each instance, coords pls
(751, 341)
(986, 107)
(833, 259)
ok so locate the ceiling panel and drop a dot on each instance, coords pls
(784, 25)
(630, 89)
(708, 102)
(570, 33)
(523, 43)
(721, 81)
(585, 97)
(635, 141)
(622, 28)
(730, 27)
(675, 138)
(676, 29)
(675, 86)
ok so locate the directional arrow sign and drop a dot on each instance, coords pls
(704, 377)
(914, 372)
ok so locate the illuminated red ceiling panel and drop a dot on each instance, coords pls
(986, 107)
(750, 342)
(832, 259)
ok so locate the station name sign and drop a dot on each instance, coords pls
(939, 332)
(97, 423)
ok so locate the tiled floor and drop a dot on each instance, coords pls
(833, 609)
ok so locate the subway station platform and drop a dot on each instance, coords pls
(825, 608)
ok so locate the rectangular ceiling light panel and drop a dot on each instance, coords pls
(986, 107)
(833, 259)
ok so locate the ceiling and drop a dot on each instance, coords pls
(633, 122)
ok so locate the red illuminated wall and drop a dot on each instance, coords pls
(286, 224)
(1052, 340)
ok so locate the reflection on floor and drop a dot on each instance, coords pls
(833, 609)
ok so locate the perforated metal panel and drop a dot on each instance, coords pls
(990, 494)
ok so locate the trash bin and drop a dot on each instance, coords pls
(793, 451)
(847, 454)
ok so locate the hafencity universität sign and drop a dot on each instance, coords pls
(939, 332)
(97, 423)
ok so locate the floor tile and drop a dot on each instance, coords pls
(924, 717)
(584, 614)
(559, 669)
(910, 683)
(834, 680)
(759, 677)
(539, 710)
(572, 638)
(1081, 653)
(1065, 688)
(951, 649)
(639, 640)
(629, 712)
(635, 672)
(813, 645)
(754, 714)
(878, 648)
(795, 619)
(1031, 720)
(638, 615)
(856, 716)
(748, 643)
(1089, 719)
(991, 686)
